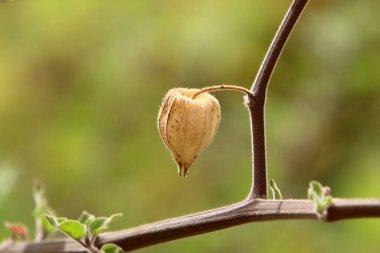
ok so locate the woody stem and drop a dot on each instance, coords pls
(256, 102)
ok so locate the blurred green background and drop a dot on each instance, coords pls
(80, 87)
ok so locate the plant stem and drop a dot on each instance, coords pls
(222, 87)
(259, 173)
(256, 103)
(82, 243)
(259, 86)
(92, 244)
(212, 220)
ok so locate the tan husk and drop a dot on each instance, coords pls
(188, 125)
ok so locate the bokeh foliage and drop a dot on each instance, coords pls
(80, 87)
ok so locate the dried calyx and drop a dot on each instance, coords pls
(188, 120)
(188, 125)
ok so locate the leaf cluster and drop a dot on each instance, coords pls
(86, 229)
(321, 197)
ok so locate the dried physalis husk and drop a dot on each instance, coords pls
(188, 125)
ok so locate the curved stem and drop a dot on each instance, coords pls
(256, 103)
(260, 84)
(222, 87)
(91, 245)
(82, 243)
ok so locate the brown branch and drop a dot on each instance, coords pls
(344, 209)
(259, 86)
(256, 103)
(194, 224)
(259, 167)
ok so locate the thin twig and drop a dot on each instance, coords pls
(223, 87)
(82, 243)
(259, 86)
(208, 221)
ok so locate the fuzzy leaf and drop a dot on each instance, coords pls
(86, 218)
(320, 195)
(315, 190)
(73, 228)
(101, 224)
(98, 225)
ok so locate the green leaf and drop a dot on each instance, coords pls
(111, 248)
(86, 222)
(98, 225)
(324, 203)
(275, 190)
(114, 217)
(101, 224)
(86, 218)
(315, 190)
(321, 197)
(73, 228)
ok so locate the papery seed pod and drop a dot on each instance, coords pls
(188, 125)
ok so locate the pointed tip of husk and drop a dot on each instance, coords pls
(183, 170)
(179, 168)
